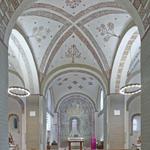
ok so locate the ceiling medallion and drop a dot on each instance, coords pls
(131, 89)
(18, 91)
(73, 3)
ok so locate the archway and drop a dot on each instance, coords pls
(81, 27)
(76, 119)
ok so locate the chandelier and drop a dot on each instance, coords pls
(130, 89)
(18, 91)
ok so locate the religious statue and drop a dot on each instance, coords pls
(11, 141)
(12, 145)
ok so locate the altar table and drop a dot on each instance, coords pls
(75, 140)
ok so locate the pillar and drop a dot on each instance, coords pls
(105, 122)
(145, 96)
(43, 110)
(115, 122)
(35, 123)
(3, 97)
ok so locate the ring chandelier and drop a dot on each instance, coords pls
(129, 89)
(18, 91)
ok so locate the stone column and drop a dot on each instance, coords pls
(42, 117)
(105, 128)
(36, 122)
(32, 123)
(3, 97)
(145, 95)
(115, 122)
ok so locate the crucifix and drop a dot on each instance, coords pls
(73, 52)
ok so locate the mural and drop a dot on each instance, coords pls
(76, 120)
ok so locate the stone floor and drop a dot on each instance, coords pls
(75, 149)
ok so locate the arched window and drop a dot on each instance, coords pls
(102, 100)
(48, 119)
(136, 123)
(13, 122)
(74, 124)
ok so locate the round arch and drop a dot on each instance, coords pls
(132, 98)
(20, 43)
(75, 68)
(120, 59)
(80, 95)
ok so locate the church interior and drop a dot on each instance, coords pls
(74, 74)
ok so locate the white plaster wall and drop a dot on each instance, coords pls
(33, 124)
(15, 108)
(115, 124)
(134, 108)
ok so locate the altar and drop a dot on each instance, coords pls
(79, 140)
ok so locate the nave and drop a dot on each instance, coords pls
(74, 74)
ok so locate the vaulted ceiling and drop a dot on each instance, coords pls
(93, 28)
(98, 36)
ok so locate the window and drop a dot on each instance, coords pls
(48, 118)
(135, 125)
(15, 123)
(102, 100)
(74, 127)
(74, 124)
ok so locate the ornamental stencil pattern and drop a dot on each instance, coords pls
(73, 3)
(107, 31)
(7, 9)
(142, 7)
(40, 33)
(73, 53)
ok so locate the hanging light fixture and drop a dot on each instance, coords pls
(132, 88)
(18, 91)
